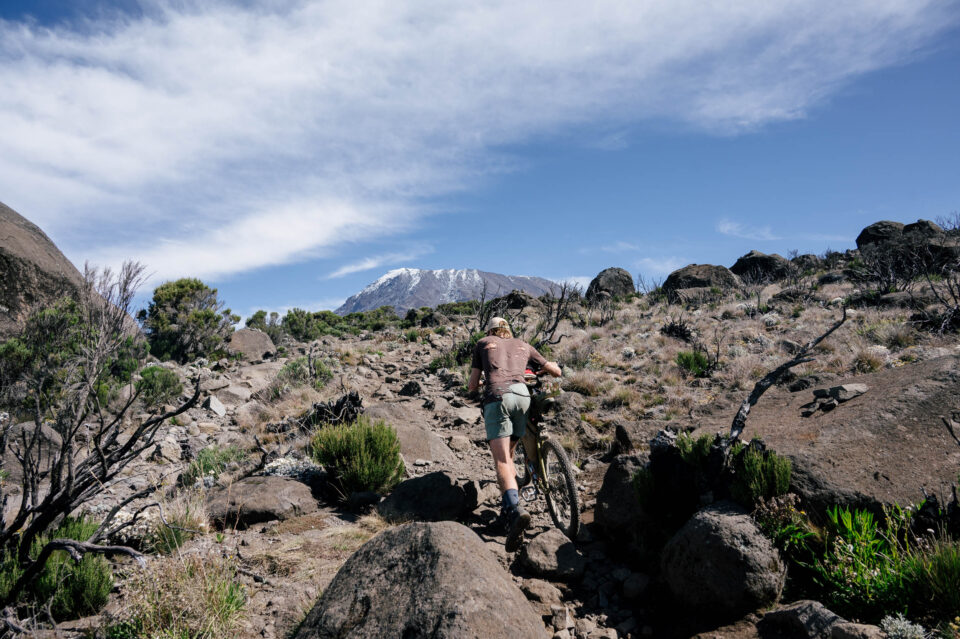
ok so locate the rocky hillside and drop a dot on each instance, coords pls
(33, 271)
(407, 288)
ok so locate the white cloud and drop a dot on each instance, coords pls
(379, 260)
(619, 247)
(736, 229)
(661, 265)
(214, 137)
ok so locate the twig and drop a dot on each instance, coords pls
(949, 424)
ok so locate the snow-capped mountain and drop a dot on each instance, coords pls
(406, 288)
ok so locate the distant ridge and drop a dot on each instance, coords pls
(406, 288)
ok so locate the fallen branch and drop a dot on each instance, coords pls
(950, 427)
(740, 420)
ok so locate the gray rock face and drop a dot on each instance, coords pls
(407, 288)
(701, 276)
(432, 497)
(552, 554)
(721, 564)
(251, 345)
(422, 580)
(615, 282)
(760, 267)
(33, 271)
(258, 499)
(879, 232)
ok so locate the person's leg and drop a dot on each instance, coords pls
(503, 461)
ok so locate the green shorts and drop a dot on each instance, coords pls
(508, 417)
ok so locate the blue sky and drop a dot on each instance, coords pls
(291, 152)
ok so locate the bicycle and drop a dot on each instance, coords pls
(552, 475)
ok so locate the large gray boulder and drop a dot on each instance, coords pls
(552, 554)
(760, 267)
(433, 580)
(701, 276)
(879, 233)
(615, 282)
(33, 271)
(720, 564)
(433, 497)
(258, 499)
(252, 345)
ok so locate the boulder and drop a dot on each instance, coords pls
(551, 554)
(701, 276)
(617, 512)
(35, 272)
(720, 563)
(880, 232)
(799, 620)
(215, 406)
(435, 496)
(252, 345)
(410, 389)
(923, 228)
(615, 282)
(416, 441)
(807, 262)
(760, 267)
(422, 580)
(258, 499)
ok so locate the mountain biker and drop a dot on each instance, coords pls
(502, 359)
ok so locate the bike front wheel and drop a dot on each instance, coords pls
(560, 489)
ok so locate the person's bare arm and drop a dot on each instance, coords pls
(553, 368)
(474, 382)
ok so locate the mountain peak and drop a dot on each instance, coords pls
(406, 288)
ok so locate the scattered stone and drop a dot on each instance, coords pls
(541, 591)
(435, 496)
(422, 580)
(635, 586)
(210, 384)
(234, 395)
(745, 572)
(208, 428)
(258, 499)
(460, 443)
(166, 450)
(410, 389)
(561, 619)
(215, 406)
(480, 492)
(552, 554)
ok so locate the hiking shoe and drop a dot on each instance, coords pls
(518, 522)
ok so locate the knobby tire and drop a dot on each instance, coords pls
(561, 494)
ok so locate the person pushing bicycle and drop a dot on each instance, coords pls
(503, 359)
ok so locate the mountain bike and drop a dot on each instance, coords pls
(551, 473)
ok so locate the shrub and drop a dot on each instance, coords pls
(212, 461)
(185, 320)
(72, 589)
(694, 451)
(298, 373)
(413, 335)
(186, 516)
(693, 363)
(758, 475)
(158, 386)
(306, 326)
(362, 456)
(583, 383)
(189, 598)
(899, 627)
(867, 362)
(268, 324)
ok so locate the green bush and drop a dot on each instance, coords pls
(298, 373)
(158, 386)
(934, 571)
(694, 451)
(693, 363)
(211, 460)
(270, 325)
(185, 320)
(72, 589)
(362, 456)
(758, 475)
(306, 326)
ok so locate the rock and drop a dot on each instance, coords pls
(258, 499)
(460, 443)
(849, 630)
(561, 619)
(416, 442)
(808, 262)
(842, 393)
(252, 345)
(617, 512)
(422, 580)
(760, 267)
(541, 591)
(615, 282)
(35, 272)
(701, 276)
(880, 232)
(923, 228)
(435, 496)
(210, 384)
(166, 450)
(721, 564)
(635, 585)
(480, 492)
(551, 554)
(215, 406)
(252, 414)
(770, 320)
(234, 395)
(410, 389)
(799, 620)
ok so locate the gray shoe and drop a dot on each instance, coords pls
(518, 522)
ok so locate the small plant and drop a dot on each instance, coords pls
(297, 373)
(693, 363)
(192, 598)
(694, 451)
(185, 517)
(867, 362)
(158, 386)
(899, 627)
(678, 328)
(362, 456)
(212, 461)
(413, 335)
(621, 398)
(758, 474)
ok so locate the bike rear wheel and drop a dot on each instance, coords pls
(561, 489)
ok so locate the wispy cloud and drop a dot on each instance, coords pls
(619, 247)
(736, 229)
(379, 260)
(661, 265)
(209, 138)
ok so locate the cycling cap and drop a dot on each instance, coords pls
(495, 323)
